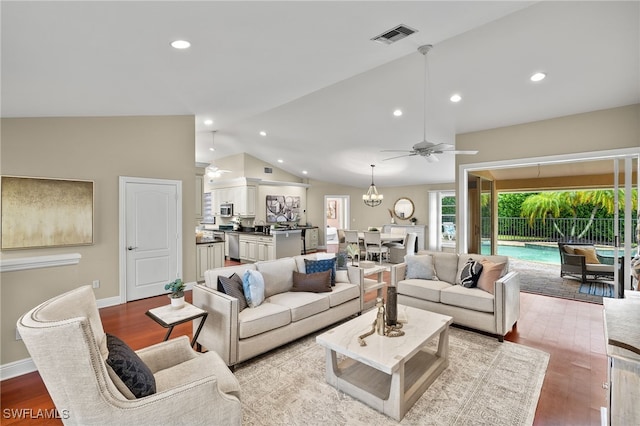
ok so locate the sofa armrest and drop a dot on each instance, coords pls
(220, 331)
(354, 275)
(398, 272)
(507, 302)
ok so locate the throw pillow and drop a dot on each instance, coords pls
(253, 286)
(129, 367)
(312, 266)
(470, 273)
(589, 253)
(234, 287)
(318, 282)
(342, 260)
(420, 266)
(491, 272)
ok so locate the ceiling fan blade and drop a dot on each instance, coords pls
(442, 147)
(396, 150)
(399, 156)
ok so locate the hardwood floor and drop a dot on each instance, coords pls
(570, 331)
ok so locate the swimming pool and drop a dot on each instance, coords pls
(533, 252)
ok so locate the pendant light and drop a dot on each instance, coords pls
(372, 198)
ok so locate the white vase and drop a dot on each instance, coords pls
(177, 302)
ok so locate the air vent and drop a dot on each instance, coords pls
(268, 170)
(394, 34)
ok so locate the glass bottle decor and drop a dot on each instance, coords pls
(392, 305)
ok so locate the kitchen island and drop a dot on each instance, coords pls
(256, 246)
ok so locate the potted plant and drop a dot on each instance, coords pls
(413, 220)
(177, 293)
(352, 251)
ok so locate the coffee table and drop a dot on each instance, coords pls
(390, 373)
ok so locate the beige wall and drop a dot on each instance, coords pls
(99, 149)
(593, 131)
(363, 216)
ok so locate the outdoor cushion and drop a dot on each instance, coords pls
(599, 267)
(469, 298)
(422, 289)
(267, 316)
(343, 292)
(589, 253)
(302, 304)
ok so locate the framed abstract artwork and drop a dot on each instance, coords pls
(43, 212)
(283, 208)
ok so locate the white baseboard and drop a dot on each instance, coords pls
(24, 366)
(17, 368)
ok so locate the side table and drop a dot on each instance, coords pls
(369, 284)
(168, 317)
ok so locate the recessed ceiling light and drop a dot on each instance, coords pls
(397, 112)
(208, 122)
(212, 149)
(455, 98)
(280, 161)
(180, 44)
(539, 76)
(263, 133)
(304, 172)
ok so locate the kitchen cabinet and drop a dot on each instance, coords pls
(243, 199)
(255, 248)
(311, 239)
(208, 256)
(265, 249)
(199, 196)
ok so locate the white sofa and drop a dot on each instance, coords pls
(475, 308)
(283, 316)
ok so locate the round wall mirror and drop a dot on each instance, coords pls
(403, 208)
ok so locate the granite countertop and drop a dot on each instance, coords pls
(209, 241)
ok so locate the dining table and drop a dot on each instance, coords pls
(385, 237)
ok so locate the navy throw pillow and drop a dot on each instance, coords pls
(313, 266)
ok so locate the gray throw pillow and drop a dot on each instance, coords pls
(133, 372)
(470, 273)
(234, 288)
(420, 266)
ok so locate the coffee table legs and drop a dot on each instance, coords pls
(392, 394)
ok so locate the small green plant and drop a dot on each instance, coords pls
(413, 220)
(176, 287)
(352, 252)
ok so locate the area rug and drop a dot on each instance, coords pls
(486, 383)
(597, 289)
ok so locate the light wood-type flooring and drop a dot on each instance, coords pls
(570, 331)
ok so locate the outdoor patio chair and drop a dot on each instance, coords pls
(577, 261)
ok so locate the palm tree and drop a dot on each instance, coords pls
(560, 204)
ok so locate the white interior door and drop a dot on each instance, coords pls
(151, 240)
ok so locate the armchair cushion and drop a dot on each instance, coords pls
(128, 366)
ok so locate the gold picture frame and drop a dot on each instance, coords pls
(45, 212)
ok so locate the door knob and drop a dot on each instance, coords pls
(131, 248)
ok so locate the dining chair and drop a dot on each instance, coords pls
(373, 246)
(397, 254)
(351, 237)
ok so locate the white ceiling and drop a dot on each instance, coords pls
(307, 73)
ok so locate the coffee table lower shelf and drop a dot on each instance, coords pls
(392, 394)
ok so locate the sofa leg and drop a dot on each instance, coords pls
(501, 339)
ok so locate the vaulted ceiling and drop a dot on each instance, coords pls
(308, 75)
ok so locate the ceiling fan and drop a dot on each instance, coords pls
(212, 170)
(425, 148)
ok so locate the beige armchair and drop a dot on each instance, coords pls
(67, 343)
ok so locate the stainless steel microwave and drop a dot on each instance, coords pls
(226, 210)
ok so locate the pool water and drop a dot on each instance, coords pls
(534, 252)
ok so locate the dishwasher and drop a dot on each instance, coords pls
(234, 245)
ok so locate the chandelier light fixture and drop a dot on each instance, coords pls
(372, 198)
